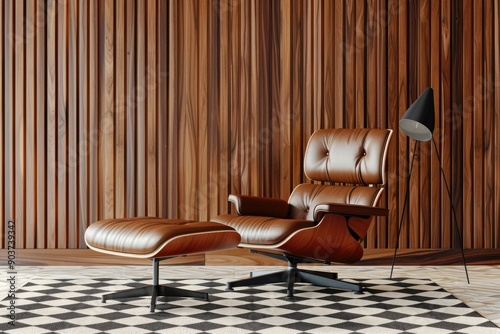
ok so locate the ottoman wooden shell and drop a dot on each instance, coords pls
(158, 239)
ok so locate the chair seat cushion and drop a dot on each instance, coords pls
(258, 230)
(148, 237)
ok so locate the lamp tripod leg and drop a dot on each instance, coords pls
(404, 207)
(454, 212)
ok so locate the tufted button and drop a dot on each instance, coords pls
(327, 153)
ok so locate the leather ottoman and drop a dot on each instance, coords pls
(158, 239)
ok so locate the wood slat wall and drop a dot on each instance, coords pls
(131, 107)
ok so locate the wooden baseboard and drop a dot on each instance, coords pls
(242, 257)
(437, 257)
(87, 257)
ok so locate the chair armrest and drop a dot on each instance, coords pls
(348, 209)
(259, 206)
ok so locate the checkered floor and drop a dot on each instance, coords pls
(387, 306)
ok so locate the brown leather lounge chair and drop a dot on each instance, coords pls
(323, 221)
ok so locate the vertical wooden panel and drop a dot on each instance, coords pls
(203, 197)
(119, 75)
(140, 98)
(73, 162)
(9, 125)
(30, 123)
(350, 64)
(3, 216)
(107, 111)
(297, 45)
(263, 97)
(456, 116)
(369, 41)
(339, 55)
(468, 114)
(413, 91)
(308, 72)
(173, 114)
(360, 48)
(213, 103)
(318, 65)
(188, 113)
(201, 101)
(238, 78)
(434, 230)
(444, 135)
(130, 100)
(224, 96)
(61, 162)
(495, 85)
(367, 84)
(263, 94)
(403, 149)
(52, 221)
(41, 119)
(84, 139)
(478, 130)
(488, 123)
(19, 42)
(432, 235)
(151, 109)
(378, 118)
(162, 126)
(393, 112)
(424, 73)
(94, 133)
(284, 63)
(328, 50)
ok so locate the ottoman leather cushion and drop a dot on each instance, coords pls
(148, 237)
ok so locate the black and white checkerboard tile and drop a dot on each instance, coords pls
(387, 306)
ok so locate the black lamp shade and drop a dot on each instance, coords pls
(418, 120)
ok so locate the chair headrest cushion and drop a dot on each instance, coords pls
(354, 156)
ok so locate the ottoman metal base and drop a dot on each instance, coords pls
(155, 290)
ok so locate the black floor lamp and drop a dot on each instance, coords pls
(418, 123)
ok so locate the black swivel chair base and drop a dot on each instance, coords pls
(294, 275)
(155, 290)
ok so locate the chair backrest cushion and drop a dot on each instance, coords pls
(353, 156)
